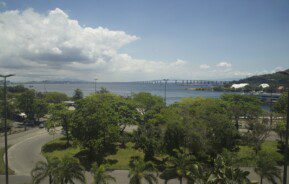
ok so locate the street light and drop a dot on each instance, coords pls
(166, 81)
(5, 126)
(95, 85)
(286, 136)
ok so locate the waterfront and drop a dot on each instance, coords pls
(174, 92)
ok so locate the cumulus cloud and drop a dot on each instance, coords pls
(204, 66)
(224, 65)
(54, 46)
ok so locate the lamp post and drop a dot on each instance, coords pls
(166, 81)
(286, 135)
(5, 126)
(95, 85)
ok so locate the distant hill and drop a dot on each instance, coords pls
(273, 78)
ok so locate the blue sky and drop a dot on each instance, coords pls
(251, 36)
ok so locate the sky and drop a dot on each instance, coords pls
(135, 40)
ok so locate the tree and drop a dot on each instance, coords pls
(55, 97)
(26, 103)
(60, 115)
(245, 106)
(100, 176)
(68, 170)
(43, 170)
(266, 167)
(148, 102)
(178, 166)
(174, 137)
(94, 125)
(128, 115)
(281, 105)
(257, 132)
(103, 90)
(139, 170)
(41, 108)
(222, 172)
(78, 94)
(147, 137)
(208, 128)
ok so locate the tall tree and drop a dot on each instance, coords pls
(178, 166)
(60, 115)
(78, 94)
(267, 168)
(68, 171)
(245, 106)
(43, 170)
(141, 170)
(41, 108)
(55, 97)
(26, 103)
(147, 137)
(100, 176)
(94, 124)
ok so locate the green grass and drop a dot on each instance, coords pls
(2, 165)
(247, 155)
(123, 156)
(120, 160)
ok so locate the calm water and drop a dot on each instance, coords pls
(174, 92)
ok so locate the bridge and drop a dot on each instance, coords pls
(186, 82)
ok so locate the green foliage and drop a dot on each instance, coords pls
(103, 90)
(281, 105)
(245, 106)
(141, 170)
(257, 132)
(26, 103)
(148, 102)
(174, 137)
(55, 97)
(65, 170)
(94, 124)
(179, 165)
(40, 108)
(100, 176)
(147, 138)
(78, 94)
(266, 167)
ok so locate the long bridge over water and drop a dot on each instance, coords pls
(186, 82)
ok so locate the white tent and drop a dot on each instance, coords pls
(241, 85)
(264, 85)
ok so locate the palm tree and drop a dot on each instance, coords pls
(69, 170)
(99, 175)
(266, 168)
(179, 166)
(139, 169)
(43, 170)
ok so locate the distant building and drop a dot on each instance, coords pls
(281, 89)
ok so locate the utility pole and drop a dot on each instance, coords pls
(286, 135)
(5, 126)
(166, 81)
(95, 85)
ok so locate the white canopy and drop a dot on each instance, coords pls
(264, 85)
(241, 85)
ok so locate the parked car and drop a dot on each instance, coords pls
(41, 125)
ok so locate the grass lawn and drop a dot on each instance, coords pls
(2, 165)
(56, 148)
(247, 155)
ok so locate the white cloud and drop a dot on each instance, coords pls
(54, 46)
(224, 65)
(204, 66)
